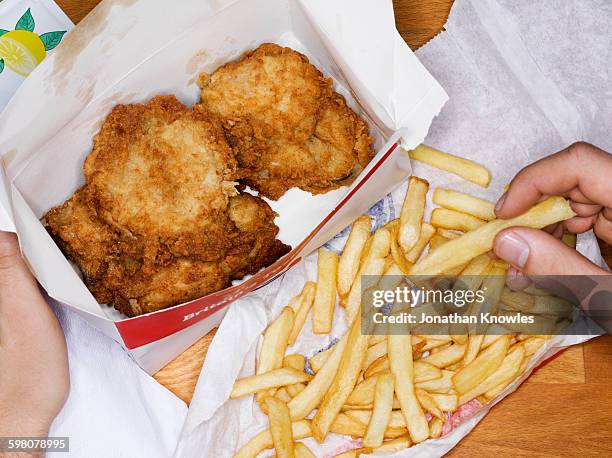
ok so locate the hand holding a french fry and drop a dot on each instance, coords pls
(583, 174)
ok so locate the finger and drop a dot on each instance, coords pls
(603, 228)
(585, 209)
(535, 252)
(22, 307)
(517, 280)
(578, 225)
(580, 166)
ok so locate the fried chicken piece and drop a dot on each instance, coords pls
(269, 92)
(105, 256)
(285, 124)
(254, 246)
(114, 271)
(164, 173)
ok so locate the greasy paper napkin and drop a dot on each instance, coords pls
(525, 79)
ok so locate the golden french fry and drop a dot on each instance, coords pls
(464, 168)
(446, 402)
(439, 385)
(374, 352)
(301, 405)
(344, 382)
(263, 440)
(317, 361)
(399, 257)
(437, 241)
(349, 260)
(381, 413)
(435, 427)
(363, 416)
(400, 360)
(294, 361)
(532, 344)
(465, 248)
(325, 296)
(454, 220)
(301, 451)
(301, 311)
(427, 232)
(373, 266)
(272, 379)
(395, 445)
(506, 372)
(473, 347)
(282, 394)
(343, 424)
(446, 357)
(274, 344)
(429, 404)
(379, 365)
(280, 427)
(533, 289)
(464, 203)
(483, 365)
(411, 216)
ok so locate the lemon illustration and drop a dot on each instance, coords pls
(22, 51)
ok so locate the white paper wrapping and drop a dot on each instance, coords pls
(525, 79)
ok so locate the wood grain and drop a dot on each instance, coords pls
(562, 410)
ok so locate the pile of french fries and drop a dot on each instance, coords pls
(393, 391)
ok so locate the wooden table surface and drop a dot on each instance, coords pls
(565, 409)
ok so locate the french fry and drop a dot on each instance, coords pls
(447, 233)
(275, 342)
(464, 168)
(533, 344)
(446, 357)
(399, 257)
(294, 361)
(534, 290)
(272, 379)
(344, 382)
(473, 347)
(280, 427)
(301, 405)
(349, 260)
(441, 384)
(317, 360)
(400, 359)
(374, 352)
(435, 427)
(343, 424)
(411, 216)
(379, 365)
(437, 241)
(454, 220)
(301, 310)
(429, 404)
(373, 265)
(483, 365)
(396, 419)
(381, 413)
(263, 440)
(301, 451)
(465, 248)
(394, 445)
(427, 232)
(464, 203)
(325, 296)
(446, 402)
(506, 372)
(282, 394)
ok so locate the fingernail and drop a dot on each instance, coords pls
(500, 202)
(513, 249)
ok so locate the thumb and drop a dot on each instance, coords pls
(536, 252)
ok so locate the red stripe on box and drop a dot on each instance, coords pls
(146, 329)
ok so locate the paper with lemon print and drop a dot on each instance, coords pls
(29, 30)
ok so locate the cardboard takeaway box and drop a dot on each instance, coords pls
(129, 51)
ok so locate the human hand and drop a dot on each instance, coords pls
(34, 381)
(581, 173)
